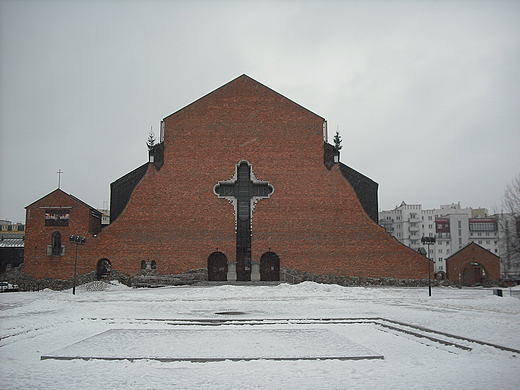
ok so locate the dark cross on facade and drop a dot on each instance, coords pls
(243, 190)
(59, 177)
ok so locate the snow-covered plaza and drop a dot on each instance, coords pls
(304, 336)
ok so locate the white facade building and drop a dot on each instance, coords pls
(451, 225)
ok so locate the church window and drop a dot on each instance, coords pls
(56, 248)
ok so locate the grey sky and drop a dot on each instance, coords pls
(426, 95)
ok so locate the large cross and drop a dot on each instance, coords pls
(243, 190)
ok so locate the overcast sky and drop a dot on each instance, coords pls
(425, 94)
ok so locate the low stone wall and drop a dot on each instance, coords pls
(296, 276)
(153, 279)
(146, 279)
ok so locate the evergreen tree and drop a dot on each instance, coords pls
(151, 140)
(337, 141)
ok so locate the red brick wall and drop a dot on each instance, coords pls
(472, 253)
(38, 236)
(313, 220)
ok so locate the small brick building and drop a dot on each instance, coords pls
(472, 264)
(242, 182)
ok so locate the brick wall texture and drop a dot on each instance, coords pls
(313, 221)
(465, 265)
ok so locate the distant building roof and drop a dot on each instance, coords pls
(11, 242)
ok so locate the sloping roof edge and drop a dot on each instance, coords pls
(69, 195)
(232, 81)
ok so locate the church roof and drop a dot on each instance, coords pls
(58, 190)
(247, 84)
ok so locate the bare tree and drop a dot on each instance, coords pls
(509, 228)
(511, 199)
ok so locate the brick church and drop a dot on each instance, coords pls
(241, 182)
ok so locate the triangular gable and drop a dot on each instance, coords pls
(242, 78)
(58, 190)
(469, 245)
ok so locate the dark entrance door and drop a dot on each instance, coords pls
(103, 268)
(472, 275)
(270, 267)
(217, 267)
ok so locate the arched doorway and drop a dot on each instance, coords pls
(270, 267)
(473, 273)
(103, 268)
(217, 267)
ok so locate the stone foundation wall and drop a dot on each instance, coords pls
(152, 279)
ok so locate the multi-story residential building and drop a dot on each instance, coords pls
(451, 225)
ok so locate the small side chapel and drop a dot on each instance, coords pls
(242, 182)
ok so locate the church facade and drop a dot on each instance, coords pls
(242, 182)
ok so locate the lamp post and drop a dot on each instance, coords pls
(77, 240)
(428, 241)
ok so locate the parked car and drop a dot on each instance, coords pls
(5, 287)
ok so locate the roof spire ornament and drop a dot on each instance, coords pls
(150, 143)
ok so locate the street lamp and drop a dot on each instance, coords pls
(428, 241)
(77, 240)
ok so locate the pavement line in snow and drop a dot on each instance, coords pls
(419, 331)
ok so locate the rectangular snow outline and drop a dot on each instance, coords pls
(205, 345)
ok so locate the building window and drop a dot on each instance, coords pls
(459, 224)
(56, 248)
(488, 242)
(148, 265)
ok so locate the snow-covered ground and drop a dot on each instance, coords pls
(183, 322)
